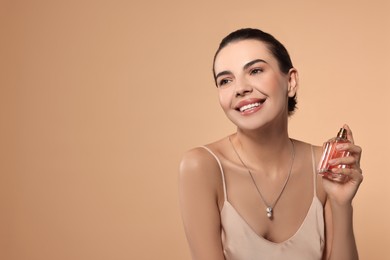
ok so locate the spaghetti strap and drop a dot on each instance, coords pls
(313, 162)
(222, 173)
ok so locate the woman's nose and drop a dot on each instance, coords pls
(242, 88)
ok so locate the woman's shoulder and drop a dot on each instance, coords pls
(313, 151)
(200, 171)
(309, 146)
(203, 159)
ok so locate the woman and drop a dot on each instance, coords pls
(255, 194)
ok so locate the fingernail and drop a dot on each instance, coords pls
(340, 146)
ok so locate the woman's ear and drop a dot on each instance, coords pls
(293, 80)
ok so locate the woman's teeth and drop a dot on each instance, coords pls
(249, 106)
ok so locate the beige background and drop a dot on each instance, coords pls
(99, 99)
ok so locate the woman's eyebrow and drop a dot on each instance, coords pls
(253, 62)
(227, 72)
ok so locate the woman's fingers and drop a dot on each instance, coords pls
(349, 160)
(347, 171)
(352, 173)
(354, 150)
(350, 147)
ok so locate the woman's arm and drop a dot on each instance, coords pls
(338, 207)
(340, 237)
(199, 180)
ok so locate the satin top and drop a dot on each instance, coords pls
(240, 241)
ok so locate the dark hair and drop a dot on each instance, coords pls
(275, 47)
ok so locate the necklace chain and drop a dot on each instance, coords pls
(270, 207)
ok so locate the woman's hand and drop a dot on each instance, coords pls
(343, 193)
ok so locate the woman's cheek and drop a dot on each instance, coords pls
(224, 99)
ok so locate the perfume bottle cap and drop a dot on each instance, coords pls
(342, 133)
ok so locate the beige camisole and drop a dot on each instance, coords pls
(240, 241)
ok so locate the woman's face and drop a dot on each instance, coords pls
(252, 89)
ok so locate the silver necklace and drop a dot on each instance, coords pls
(269, 207)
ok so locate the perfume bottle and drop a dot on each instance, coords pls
(330, 152)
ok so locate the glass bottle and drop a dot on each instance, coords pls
(330, 152)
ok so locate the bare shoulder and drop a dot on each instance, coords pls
(307, 153)
(202, 158)
(200, 177)
(317, 150)
(197, 161)
(202, 164)
(201, 200)
(309, 150)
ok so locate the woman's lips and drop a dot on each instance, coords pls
(249, 105)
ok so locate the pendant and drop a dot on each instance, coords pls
(269, 212)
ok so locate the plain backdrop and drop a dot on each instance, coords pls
(99, 100)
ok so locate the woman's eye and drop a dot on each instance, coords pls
(256, 71)
(223, 82)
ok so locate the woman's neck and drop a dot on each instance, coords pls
(264, 150)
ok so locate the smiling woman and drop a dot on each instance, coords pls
(255, 194)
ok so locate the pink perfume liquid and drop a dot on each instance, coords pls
(330, 152)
